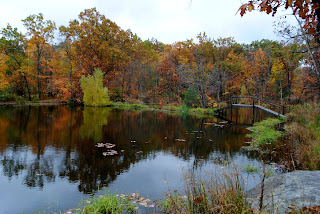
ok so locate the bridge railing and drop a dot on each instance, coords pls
(249, 100)
(281, 109)
(261, 102)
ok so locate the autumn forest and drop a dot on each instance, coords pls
(48, 62)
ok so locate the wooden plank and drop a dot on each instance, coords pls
(270, 111)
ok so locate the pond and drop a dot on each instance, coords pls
(50, 158)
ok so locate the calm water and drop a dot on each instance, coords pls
(49, 158)
(245, 116)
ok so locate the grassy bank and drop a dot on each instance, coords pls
(303, 133)
(171, 109)
(107, 203)
(265, 135)
(300, 140)
(35, 102)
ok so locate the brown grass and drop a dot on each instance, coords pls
(303, 131)
(220, 192)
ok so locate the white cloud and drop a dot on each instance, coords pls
(166, 20)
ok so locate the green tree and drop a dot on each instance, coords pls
(94, 92)
(191, 96)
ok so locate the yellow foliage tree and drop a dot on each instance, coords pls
(94, 94)
(4, 80)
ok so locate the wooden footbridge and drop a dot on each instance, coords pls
(254, 103)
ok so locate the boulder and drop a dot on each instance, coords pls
(288, 191)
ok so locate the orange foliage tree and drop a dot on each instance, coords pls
(40, 32)
(15, 66)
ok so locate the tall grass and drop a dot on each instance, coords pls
(303, 129)
(128, 106)
(220, 192)
(202, 111)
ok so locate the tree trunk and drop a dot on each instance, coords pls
(315, 64)
(139, 82)
(28, 88)
(70, 76)
(38, 70)
(156, 89)
(281, 93)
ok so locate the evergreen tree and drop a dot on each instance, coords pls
(191, 96)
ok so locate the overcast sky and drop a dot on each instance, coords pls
(166, 20)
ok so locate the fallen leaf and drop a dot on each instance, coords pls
(144, 204)
(140, 199)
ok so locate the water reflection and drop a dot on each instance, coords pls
(245, 115)
(47, 145)
(93, 120)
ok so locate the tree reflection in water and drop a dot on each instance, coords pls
(45, 143)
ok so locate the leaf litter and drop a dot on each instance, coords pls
(137, 199)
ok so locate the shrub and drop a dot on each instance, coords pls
(190, 97)
(6, 96)
(94, 92)
(20, 100)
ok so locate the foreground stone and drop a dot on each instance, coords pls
(288, 191)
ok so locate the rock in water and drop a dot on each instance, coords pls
(288, 191)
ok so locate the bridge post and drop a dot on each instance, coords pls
(231, 100)
(253, 119)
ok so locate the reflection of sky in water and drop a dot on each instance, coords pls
(151, 178)
(54, 165)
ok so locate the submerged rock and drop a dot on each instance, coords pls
(285, 192)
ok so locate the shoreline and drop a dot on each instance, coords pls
(169, 109)
(33, 103)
